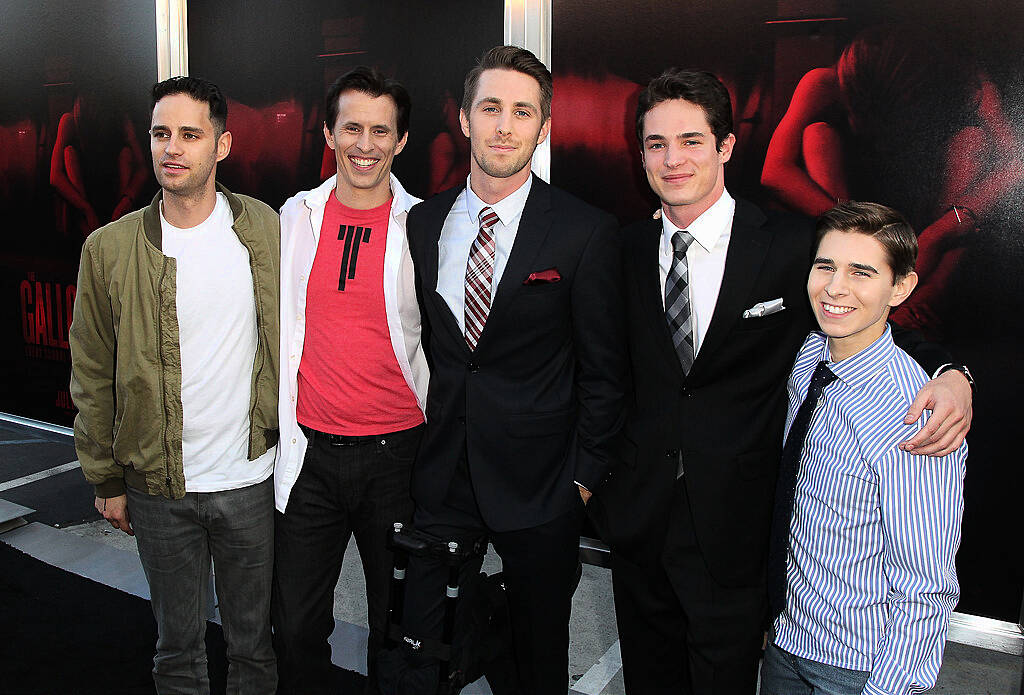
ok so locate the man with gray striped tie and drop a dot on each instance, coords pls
(861, 570)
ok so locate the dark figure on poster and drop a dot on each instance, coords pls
(75, 141)
(897, 121)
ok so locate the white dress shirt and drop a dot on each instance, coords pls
(460, 231)
(705, 260)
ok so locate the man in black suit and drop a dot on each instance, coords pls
(520, 290)
(716, 311)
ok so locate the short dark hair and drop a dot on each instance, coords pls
(374, 83)
(695, 86)
(200, 90)
(887, 226)
(510, 58)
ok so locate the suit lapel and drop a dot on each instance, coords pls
(646, 262)
(748, 246)
(430, 254)
(534, 226)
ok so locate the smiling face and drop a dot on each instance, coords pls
(851, 288)
(504, 127)
(365, 141)
(185, 146)
(682, 163)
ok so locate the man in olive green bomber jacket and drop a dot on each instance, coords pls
(174, 357)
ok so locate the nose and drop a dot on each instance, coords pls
(836, 286)
(504, 126)
(174, 146)
(674, 155)
(364, 143)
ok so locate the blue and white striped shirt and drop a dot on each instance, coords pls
(871, 577)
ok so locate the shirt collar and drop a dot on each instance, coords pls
(708, 227)
(507, 209)
(858, 370)
(401, 203)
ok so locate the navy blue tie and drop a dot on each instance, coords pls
(785, 490)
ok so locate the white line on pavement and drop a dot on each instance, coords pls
(600, 674)
(49, 472)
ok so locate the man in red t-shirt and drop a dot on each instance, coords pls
(353, 378)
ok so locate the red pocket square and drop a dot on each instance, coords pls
(543, 276)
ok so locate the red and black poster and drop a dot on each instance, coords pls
(918, 105)
(284, 56)
(74, 111)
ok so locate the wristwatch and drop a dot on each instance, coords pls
(962, 368)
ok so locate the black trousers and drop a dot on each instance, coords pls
(356, 489)
(539, 566)
(680, 631)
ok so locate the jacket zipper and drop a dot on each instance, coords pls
(259, 333)
(163, 384)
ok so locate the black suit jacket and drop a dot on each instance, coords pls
(539, 402)
(727, 416)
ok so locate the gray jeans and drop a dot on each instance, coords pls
(176, 540)
(786, 674)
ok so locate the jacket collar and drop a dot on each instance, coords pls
(151, 217)
(317, 198)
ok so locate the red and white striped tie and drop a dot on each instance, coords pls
(479, 275)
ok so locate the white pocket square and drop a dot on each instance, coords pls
(764, 309)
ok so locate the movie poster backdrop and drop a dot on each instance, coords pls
(74, 111)
(918, 105)
(275, 61)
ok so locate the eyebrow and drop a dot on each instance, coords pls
(856, 266)
(382, 126)
(691, 134)
(183, 129)
(499, 102)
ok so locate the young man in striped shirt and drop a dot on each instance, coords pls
(865, 534)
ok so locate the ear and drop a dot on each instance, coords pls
(902, 289)
(329, 137)
(401, 143)
(544, 131)
(725, 154)
(223, 145)
(464, 120)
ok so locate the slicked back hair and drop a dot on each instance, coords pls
(199, 89)
(374, 83)
(887, 226)
(510, 58)
(698, 87)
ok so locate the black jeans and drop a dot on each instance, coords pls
(359, 489)
(539, 565)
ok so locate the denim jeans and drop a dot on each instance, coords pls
(177, 539)
(786, 674)
(357, 488)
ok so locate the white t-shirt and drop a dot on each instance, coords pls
(217, 336)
